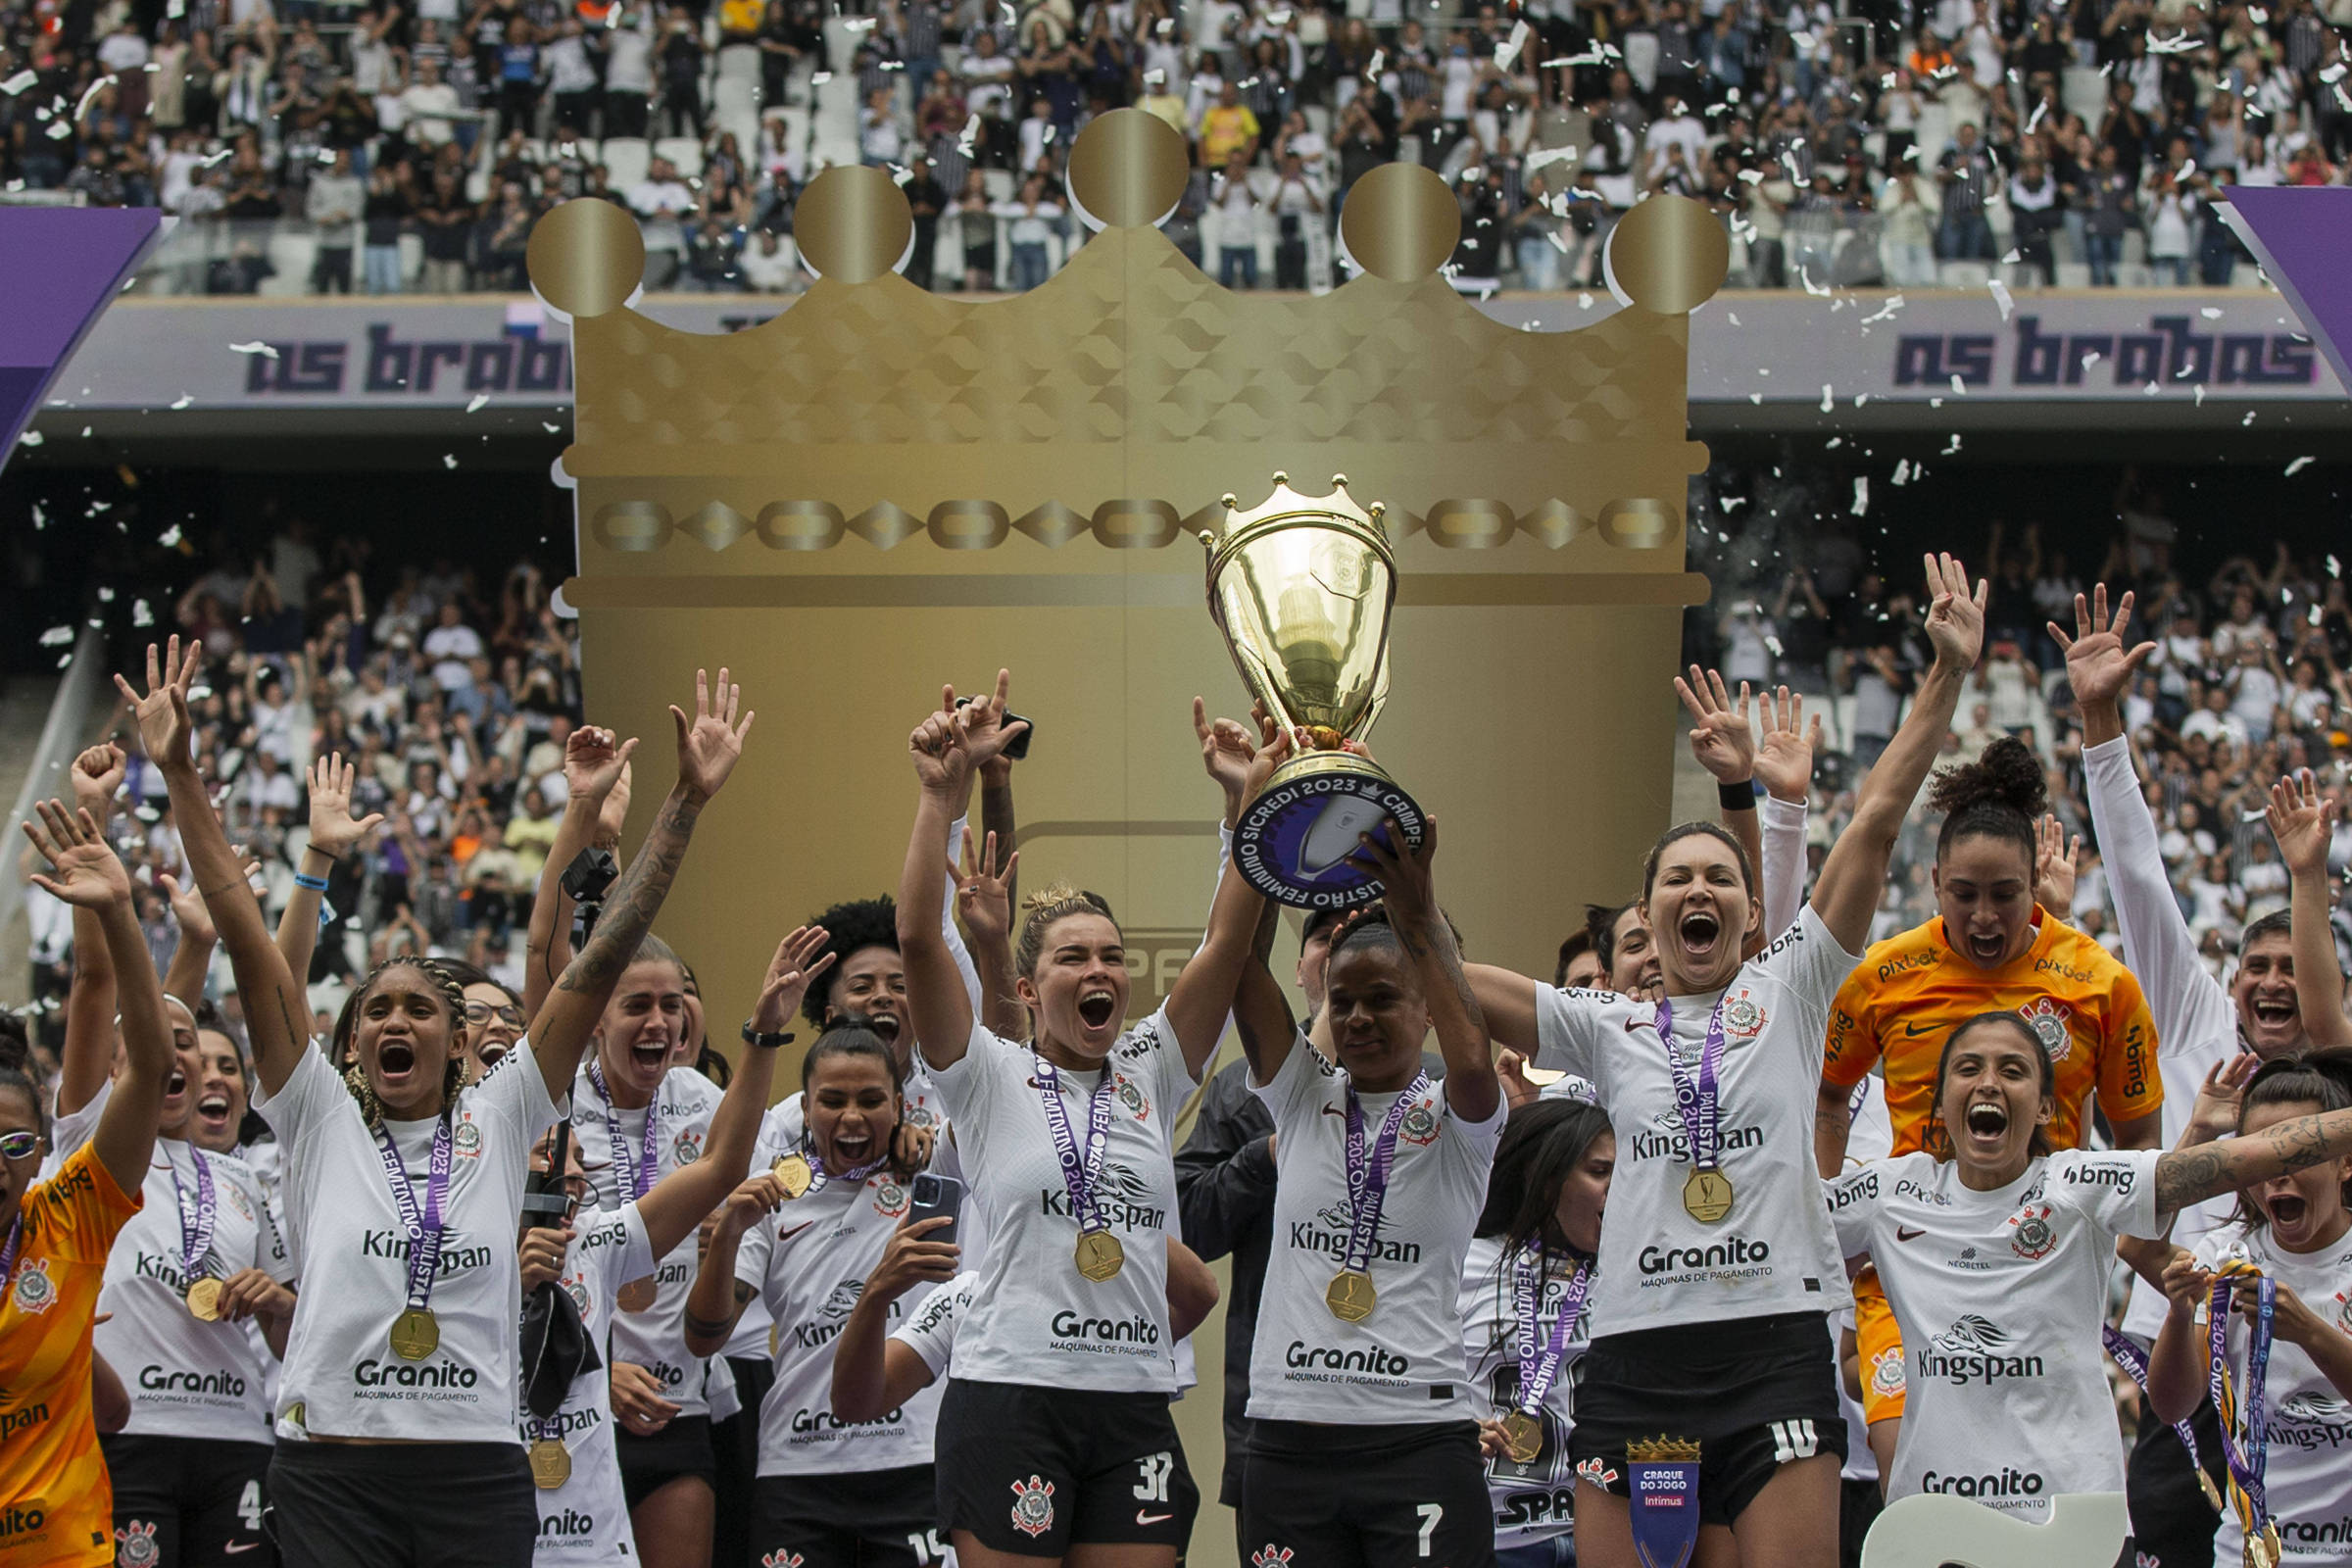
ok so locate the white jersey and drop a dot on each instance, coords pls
(1999, 1296)
(2309, 1476)
(1660, 1267)
(1871, 1137)
(1532, 1499)
(807, 1263)
(1403, 1363)
(341, 1377)
(656, 1337)
(2196, 1022)
(586, 1520)
(186, 1378)
(930, 1330)
(1036, 1319)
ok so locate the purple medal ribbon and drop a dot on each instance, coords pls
(1079, 1172)
(2248, 1461)
(8, 1255)
(1368, 1177)
(1697, 1100)
(1539, 1372)
(423, 1230)
(639, 1170)
(195, 1233)
(2134, 1362)
(819, 1178)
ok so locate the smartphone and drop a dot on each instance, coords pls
(935, 1196)
(1017, 748)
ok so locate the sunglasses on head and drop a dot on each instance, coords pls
(505, 1012)
(19, 1144)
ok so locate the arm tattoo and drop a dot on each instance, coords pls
(2189, 1175)
(634, 901)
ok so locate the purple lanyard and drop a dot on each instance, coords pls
(2134, 1362)
(1368, 1176)
(195, 1232)
(1697, 1099)
(817, 1177)
(1538, 1373)
(1080, 1174)
(8, 1255)
(423, 1230)
(640, 1170)
(2248, 1461)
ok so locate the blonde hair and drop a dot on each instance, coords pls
(1055, 902)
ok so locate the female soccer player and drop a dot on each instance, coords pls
(2297, 1231)
(56, 1234)
(1055, 1429)
(1718, 1269)
(1364, 1439)
(801, 1236)
(1526, 1280)
(400, 1380)
(1996, 1261)
(566, 1425)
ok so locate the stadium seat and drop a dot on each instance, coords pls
(625, 160)
(2083, 90)
(291, 252)
(2074, 274)
(1963, 274)
(684, 153)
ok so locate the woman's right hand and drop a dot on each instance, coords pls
(637, 1401)
(910, 1259)
(2188, 1286)
(97, 774)
(165, 727)
(85, 872)
(543, 1254)
(748, 1204)
(2219, 1099)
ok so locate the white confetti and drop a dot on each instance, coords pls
(1935, 402)
(2199, 390)
(31, 438)
(1756, 398)
(2151, 389)
(448, 459)
(1584, 302)
(2014, 257)
(140, 615)
(106, 595)
(1902, 472)
(185, 400)
(17, 83)
(820, 78)
(1510, 49)
(2000, 297)
(2334, 567)
(1959, 388)
(170, 538)
(1829, 399)
(57, 636)
(1861, 495)
(2248, 420)
(58, 130)
(2211, 313)
(2297, 467)
(1834, 443)
(1894, 303)
(255, 346)
(1954, 446)
(481, 401)
(551, 429)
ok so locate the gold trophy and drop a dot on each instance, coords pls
(1301, 587)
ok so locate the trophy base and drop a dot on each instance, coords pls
(1294, 841)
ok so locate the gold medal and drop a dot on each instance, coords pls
(1707, 1195)
(1099, 1255)
(2213, 1494)
(1522, 1437)
(416, 1333)
(550, 1463)
(204, 1300)
(2263, 1547)
(637, 1294)
(1351, 1295)
(791, 1173)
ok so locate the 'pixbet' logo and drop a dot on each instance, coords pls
(1033, 1506)
(134, 1545)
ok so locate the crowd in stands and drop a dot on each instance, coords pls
(410, 144)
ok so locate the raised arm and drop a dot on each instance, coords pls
(1784, 768)
(277, 1012)
(1506, 1000)
(709, 745)
(596, 782)
(1853, 880)
(88, 1058)
(718, 1298)
(2303, 821)
(945, 748)
(984, 900)
(1471, 1087)
(1202, 997)
(2188, 1176)
(1261, 1013)
(333, 835)
(84, 873)
(872, 1373)
(1725, 743)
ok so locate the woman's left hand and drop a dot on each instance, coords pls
(250, 1293)
(800, 958)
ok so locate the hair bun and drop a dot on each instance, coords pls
(2007, 774)
(1050, 895)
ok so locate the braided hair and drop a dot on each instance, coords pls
(453, 998)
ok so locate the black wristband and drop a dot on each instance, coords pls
(753, 1037)
(1739, 796)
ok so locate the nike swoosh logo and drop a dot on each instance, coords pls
(1903, 1232)
(1142, 1518)
(1913, 1031)
(231, 1547)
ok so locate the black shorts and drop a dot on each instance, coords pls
(1031, 1470)
(193, 1501)
(1367, 1497)
(403, 1506)
(2172, 1523)
(877, 1519)
(681, 1448)
(735, 1450)
(1754, 1395)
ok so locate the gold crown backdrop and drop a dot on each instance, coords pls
(884, 489)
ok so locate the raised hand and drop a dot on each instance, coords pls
(1274, 750)
(2186, 1285)
(543, 1249)
(2056, 865)
(2302, 820)
(595, 762)
(985, 732)
(1955, 616)
(188, 907)
(800, 958)
(615, 812)
(1723, 740)
(711, 743)
(943, 761)
(97, 776)
(2218, 1100)
(1227, 751)
(332, 830)
(1403, 872)
(984, 894)
(85, 871)
(164, 728)
(2100, 663)
(1785, 752)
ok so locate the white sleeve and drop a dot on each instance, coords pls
(1297, 1085)
(931, 1332)
(1568, 1030)
(1783, 871)
(1854, 1201)
(624, 1230)
(271, 1255)
(309, 1093)
(947, 917)
(1812, 963)
(75, 1128)
(2114, 1189)
(2190, 1008)
(516, 1089)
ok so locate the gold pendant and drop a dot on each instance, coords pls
(791, 1173)
(1099, 1255)
(637, 1294)
(2213, 1494)
(550, 1463)
(1351, 1295)
(2263, 1547)
(1707, 1195)
(204, 1300)
(416, 1333)
(1523, 1436)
